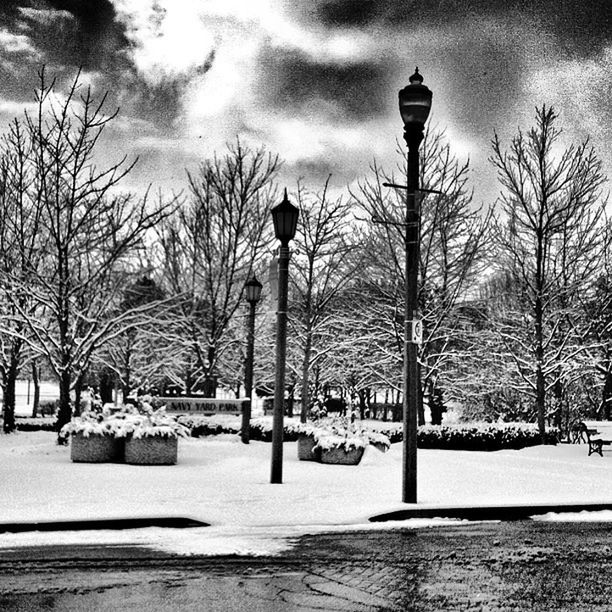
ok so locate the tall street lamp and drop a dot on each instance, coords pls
(414, 106)
(285, 218)
(252, 291)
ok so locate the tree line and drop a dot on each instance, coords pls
(101, 287)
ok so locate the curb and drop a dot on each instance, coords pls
(488, 513)
(174, 522)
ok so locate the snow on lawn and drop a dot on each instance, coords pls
(223, 482)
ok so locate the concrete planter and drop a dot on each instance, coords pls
(151, 450)
(305, 446)
(338, 455)
(96, 448)
(379, 446)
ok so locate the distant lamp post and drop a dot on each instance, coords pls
(252, 292)
(414, 106)
(285, 218)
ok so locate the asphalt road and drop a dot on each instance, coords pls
(520, 565)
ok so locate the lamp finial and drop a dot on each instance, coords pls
(416, 78)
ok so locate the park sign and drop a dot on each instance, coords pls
(203, 406)
(417, 331)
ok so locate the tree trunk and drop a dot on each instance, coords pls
(126, 383)
(540, 400)
(64, 411)
(8, 390)
(557, 416)
(78, 390)
(362, 403)
(306, 376)
(9, 383)
(36, 383)
(386, 406)
(421, 408)
(210, 381)
(106, 388)
(606, 394)
(317, 383)
(290, 400)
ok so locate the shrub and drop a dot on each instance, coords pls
(473, 437)
(48, 407)
(35, 424)
(201, 426)
(483, 436)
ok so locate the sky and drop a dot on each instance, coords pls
(315, 81)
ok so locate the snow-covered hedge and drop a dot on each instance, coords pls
(483, 436)
(35, 423)
(261, 427)
(475, 436)
(201, 426)
(392, 430)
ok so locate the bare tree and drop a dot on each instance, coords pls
(210, 247)
(595, 333)
(550, 237)
(455, 240)
(21, 242)
(325, 262)
(89, 234)
(132, 354)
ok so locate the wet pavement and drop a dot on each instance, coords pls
(519, 565)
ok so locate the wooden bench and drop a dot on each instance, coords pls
(597, 434)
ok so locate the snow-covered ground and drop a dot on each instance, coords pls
(225, 483)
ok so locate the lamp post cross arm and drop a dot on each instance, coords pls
(396, 186)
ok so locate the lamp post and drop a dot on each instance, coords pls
(284, 217)
(414, 106)
(252, 290)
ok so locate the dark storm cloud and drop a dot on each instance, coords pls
(159, 102)
(68, 32)
(290, 79)
(66, 35)
(582, 27)
(63, 35)
(95, 38)
(348, 12)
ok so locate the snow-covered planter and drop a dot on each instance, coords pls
(95, 448)
(341, 449)
(95, 438)
(151, 450)
(137, 435)
(151, 437)
(307, 437)
(306, 447)
(379, 441)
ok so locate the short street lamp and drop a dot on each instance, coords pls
(285, 218)
(414, 105)
(252, 291)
